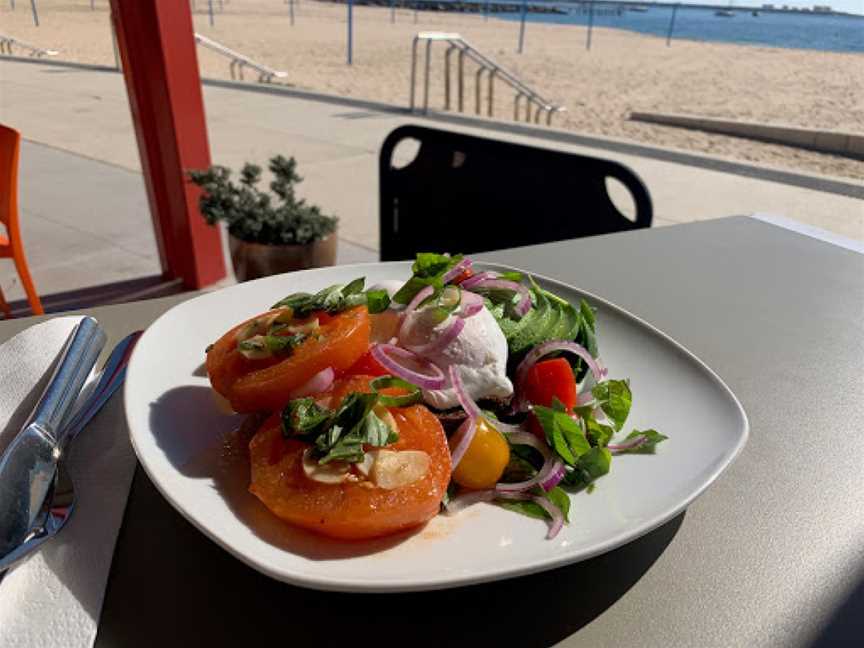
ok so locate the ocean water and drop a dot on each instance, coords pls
(792, 30)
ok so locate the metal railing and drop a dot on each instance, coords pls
(485, 65)
(239, 61)
(7, 42)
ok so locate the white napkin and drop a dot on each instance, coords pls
(55, 597)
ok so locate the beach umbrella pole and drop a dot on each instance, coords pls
(35, 13)
(393, 12)
(671, 25)
(210, 11)
(350, 32)
(590, 25)
(522, 26)
(291, 11)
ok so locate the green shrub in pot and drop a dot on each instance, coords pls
(269, 233)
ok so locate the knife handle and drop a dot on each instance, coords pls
(74, 366)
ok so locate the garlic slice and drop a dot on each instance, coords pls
(334, 472)
(395, 469)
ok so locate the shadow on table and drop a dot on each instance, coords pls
(214, 446)
(846, 625)
(194, 593)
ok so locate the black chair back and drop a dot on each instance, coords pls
(469, 194)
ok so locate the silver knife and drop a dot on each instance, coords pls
(29, 464)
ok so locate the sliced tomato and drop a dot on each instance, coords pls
(350, 510)
(367, 365)
(264, 384)
(465, 274)
(546, 381)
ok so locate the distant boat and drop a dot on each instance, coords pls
(754, 13)
(637, 8)
(724, 13)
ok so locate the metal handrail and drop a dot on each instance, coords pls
(455, 43)
(6, 43)
(239, 61)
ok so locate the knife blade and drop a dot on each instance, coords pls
(29, 464)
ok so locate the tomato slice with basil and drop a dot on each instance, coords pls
(252, 385)
(350, 510)
(546, 381)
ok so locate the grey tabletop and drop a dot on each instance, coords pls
(771, 555)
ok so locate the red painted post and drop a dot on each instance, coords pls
(160, 66)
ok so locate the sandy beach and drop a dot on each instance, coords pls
(622, 72)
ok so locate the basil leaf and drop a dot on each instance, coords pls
(511, 276)
(653, 436)
(591, 465)
(429, 270)
(431, 264)
(377, 301)
(354, 287)
(376, 432)
(525, 507)
(559, 497)
(597, 433)
(615, 399)
(563, 434)
(334, 299)
(303, 417)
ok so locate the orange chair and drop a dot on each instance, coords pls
(10, 244)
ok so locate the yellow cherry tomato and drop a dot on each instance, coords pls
(485, 460)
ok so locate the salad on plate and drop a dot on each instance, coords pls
(381, 407)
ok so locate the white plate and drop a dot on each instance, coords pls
(179, 434)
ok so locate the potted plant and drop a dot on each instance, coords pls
(268, 233)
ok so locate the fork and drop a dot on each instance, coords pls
(61, 500)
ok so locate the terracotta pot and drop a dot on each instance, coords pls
(255, 260)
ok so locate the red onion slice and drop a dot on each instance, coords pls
(463, 501)
(472, 303)
(444, 339)
(456, 270)
(414, 303)
(557, 516)
(318, 383)
(544, 349)
(635, 442)
(550, 473)
(524, 304)
(465, 400)
(461, 439)
(435, 379)
(477, 278)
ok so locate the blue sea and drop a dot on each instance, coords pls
(774, 29)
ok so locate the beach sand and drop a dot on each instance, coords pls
(622, 72)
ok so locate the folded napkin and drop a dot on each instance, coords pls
(55, 597)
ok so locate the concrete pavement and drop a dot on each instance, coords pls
(86, 218)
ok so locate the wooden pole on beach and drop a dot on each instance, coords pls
(350, 32)
(291, 11)
(12, 3)
(35, 13)
(486, 10)
(671, 25)
(392, 12)
(522, 26)
(210, 11)
(416, 4)
(590, 24)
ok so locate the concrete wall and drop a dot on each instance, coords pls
(825, 141)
